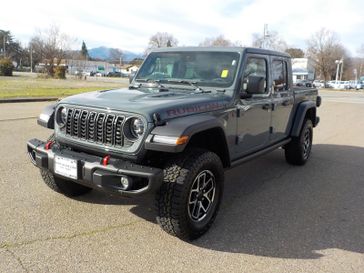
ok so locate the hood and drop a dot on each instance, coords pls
(167, 104)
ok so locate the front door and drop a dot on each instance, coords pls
(254, 111)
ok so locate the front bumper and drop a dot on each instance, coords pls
(93, 174)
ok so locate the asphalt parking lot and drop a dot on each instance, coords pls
(274, 217)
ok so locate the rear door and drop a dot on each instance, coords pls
(254, 116)
(282, 98)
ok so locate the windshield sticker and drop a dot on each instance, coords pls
(224, 73)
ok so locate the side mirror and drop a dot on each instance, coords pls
(255, 85)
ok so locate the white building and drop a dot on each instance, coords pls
(76, 66)
(128, 69)
(302, 69)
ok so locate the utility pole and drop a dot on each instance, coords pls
(265, 35)
(31, 58)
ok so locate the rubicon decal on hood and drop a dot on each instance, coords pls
(198, 108)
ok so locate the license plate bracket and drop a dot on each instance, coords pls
(66, 167)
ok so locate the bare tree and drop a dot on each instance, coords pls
(272, 40)
(324, 48)
(219, 41)
(162, 39)
(359, 64)
(295, 52)
(50, 46)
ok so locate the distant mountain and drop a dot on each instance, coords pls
(103, 53)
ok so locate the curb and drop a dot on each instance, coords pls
(15, 100)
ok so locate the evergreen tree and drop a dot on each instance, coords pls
(84, 51)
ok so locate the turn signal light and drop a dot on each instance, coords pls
(182, 140)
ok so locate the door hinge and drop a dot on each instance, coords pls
(238, 113)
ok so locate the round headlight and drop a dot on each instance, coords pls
(62, 116)
(137, 127)
(133, 128)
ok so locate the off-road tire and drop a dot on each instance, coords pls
(298, 150)
(61, 185)
(180, 174)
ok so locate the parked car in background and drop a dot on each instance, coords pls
(341, 85)
(304, 83)
(329, 84)
(359, 85)
(114, 74)
(356, 85)
(318, 84)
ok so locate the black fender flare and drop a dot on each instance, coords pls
(46, 118)
(184, 126)
(301, 111)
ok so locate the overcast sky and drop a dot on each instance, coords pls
(129, 24)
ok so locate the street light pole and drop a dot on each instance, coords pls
(342, 68)
(337, 70)
(265, 35)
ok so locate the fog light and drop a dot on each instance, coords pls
(125, 182)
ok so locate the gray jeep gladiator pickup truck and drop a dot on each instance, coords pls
(188, 114)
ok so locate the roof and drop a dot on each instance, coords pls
(126, 66)
(251, 50)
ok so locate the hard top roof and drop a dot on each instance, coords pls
(251, 50)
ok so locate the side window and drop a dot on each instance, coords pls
(255, 76)
(279, 71)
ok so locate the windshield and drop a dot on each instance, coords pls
(215, 69)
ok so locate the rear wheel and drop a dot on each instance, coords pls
(188, 200)
(298, 150)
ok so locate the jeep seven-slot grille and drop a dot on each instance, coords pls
(101, 128)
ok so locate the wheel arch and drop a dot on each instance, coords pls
(203, 131)
(306, 109)
(46, 118)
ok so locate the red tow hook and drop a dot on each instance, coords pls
(49, 145)
(105, 160)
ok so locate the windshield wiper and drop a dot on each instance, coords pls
(192, 83)
(161, 87)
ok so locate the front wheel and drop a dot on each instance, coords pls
(63, 186)
(298, 150)
(188, 200)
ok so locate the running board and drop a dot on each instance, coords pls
(259, 153)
